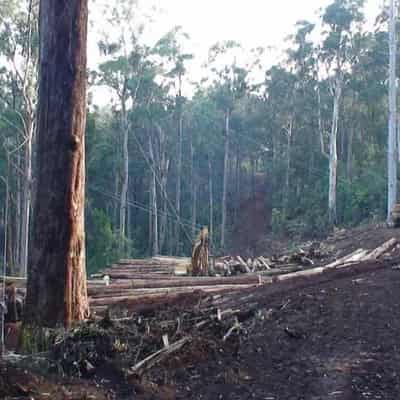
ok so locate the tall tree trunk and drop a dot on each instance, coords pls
(392, 143)
(211, 203)
(288, 164)
(179, 171)
(237, 185)
(163, 168)
(349, 163)
(320, 124)
(153, 208)
(125, 173)
(56, 290)
(18, 209)
(193, 188)
(194, 207)
(26, 203)
(333, 153)
(225, 179)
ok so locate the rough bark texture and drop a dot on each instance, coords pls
(57, 291)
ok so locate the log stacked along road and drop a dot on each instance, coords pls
(134, 283)
(137, 282)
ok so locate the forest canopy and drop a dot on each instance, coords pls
(166, 156)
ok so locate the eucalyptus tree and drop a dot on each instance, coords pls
(340, 19)
(56, 289)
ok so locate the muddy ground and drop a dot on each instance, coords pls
(335, 341)
(332, 339)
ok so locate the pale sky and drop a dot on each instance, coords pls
(253, 23)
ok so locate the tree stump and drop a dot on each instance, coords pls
(199, 264)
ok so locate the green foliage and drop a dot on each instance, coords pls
(103, 243)
(145, 81)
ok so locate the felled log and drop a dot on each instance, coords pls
(381, 250)
(264, 262)
(352, 256)
(144, 304)
(157, 260)
(109, 298)
(244, 264)
(174, 283)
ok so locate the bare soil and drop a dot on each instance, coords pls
(322, 339)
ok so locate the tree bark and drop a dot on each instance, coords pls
(18, 209)
(333, 152)
(288, 164)
(153, 207)
(211, 204)
(179, 172)
(163, 170)
(125, 173)
(193, 190)
(56, 289)
(225, 179)
(392, 143)
(350, 154)
(26, 203)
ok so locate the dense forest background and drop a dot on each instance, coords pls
(167, 156)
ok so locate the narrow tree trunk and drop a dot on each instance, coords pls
(125, 174)
(194, 207)
(27, 193)
(333, 154)
(179, 173)
(288, 164)
(225, 179)
(153, 209)
(56, 290)
(18, 209)
(320, 123)
(163, 168)
(349, 163)
(193, 197)
(392, 143)
(211, 203)
(237, 185)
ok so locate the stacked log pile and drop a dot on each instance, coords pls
(131, 283)
(135, 281)
(140, 283)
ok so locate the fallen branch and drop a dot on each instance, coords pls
(158, 356)
(381, 250)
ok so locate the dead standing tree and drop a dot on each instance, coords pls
(199, 263)
(56, 292)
